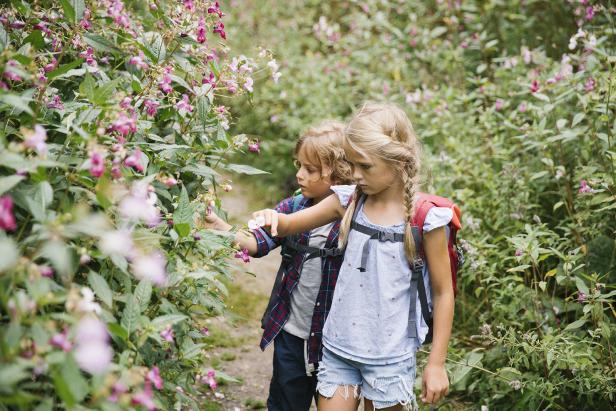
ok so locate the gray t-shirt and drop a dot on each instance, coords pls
(305, 294)
(369, 318)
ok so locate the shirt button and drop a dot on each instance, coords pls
(312, 334)
(318, 304)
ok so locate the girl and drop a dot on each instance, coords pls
(300, 302)
(374, 328)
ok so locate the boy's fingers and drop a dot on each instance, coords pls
(275, 224)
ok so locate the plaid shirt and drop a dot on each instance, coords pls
(330, 266)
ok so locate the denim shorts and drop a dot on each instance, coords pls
(385, 385)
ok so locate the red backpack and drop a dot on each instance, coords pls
(418, 289)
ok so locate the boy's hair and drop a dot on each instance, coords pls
(323, 145)
(383, 130)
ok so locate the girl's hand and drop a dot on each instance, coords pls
(435, 384)
(267, 219)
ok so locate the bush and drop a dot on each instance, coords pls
(113, 138)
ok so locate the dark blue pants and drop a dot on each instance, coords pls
(290, 389)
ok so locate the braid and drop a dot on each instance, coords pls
(345, 225)
(409, 180)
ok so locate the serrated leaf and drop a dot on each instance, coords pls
(99, 43)
(577, 119)
(101, 288)
(87, 87)
(61, 256)
(200, 170)
(143, 293)
(130, 316)
(18, 102)
(65, 68)
(118, 331)
(581, 285)
(576, 324)
(203, 107)
(154, 46)
(190, 349)
(103, 93)
(184, 212)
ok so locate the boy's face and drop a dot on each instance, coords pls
(313, 181)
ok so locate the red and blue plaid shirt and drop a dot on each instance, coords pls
(330, 266)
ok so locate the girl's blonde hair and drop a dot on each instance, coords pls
(384, 130)
(323, 144)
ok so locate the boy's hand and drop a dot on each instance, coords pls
(435, 384)
(211, 220)
(267, 219)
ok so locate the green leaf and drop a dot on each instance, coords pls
(154, 46)
(17, 102)
(118, 331)
(131, 313)
(245, 169)
(87, 87)
(64, 68)
(143, 292)
(542, 97)
(581, 285)
(11, 374)
(577, 119)
(182, 229)
(103, 93)
(4, 38)
(6, 183)
(9, 253)
(99, 43)
(190, 349)
(61, 256)
(77, 384)
(101, 288)
(203, 108)
(200, 170)
(36, 39)
(73, 10)
(184, 212)
(160, 323)
(576, 324)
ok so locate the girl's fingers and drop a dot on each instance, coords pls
(274, 224)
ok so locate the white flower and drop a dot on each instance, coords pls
(151, 267)
(117, 242)
(92, 351)
(256, 223)
(87, 304)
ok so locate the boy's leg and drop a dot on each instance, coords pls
(290, 388)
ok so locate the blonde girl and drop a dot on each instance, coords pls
(374, 328)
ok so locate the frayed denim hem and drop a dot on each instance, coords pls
(328, 389)
(394, 387)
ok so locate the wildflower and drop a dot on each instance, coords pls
(219, 28)
(165, 83)
(201, 31)
(167, 334)
(151, 267)
(210, 79)
(210, 379)
(92, 351)
(522, 107)
(215, 9)
(134, 161)
(7, 219)
(227, 187)
(97, 164)
(170, 182)
(190, 5)
(243, 254)
(256, 223)
(46, 271)
(500, 103)
(88, 55)
(117, 390)
(519, 252)
(84, 259)
(124, 125)
(139, 61)
(584, 187)
(590, 13)
(534, 86)
(231, 86)
(515, 384)
(526, 55)
(589, 85)
(248, 84)
(205, 331)
(117, 242)
(36, 139)
(61, 341)
(86, 304)
(56, 103)
(581, 297)
(140, 205)
(151, 107)
(51, 66)
(145, 398)
(153, 376)
(254, 147)
(184, 106)
(10, 75)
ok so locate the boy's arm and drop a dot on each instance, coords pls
(435, 381)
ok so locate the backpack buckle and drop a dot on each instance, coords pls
(418, 264)
(386, 236)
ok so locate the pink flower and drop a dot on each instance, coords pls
(215, 9)
(134, 161)
(210, 379)
(248, 84)
(231, 86)
(7, 219)
(56, 103)
(117, 390)
(51, 66)
(8, 74)
(183, 106)
(254, 147)
(115, 11)
(590, 13)
(97, 164)
(167, 334)
(584, 187)
(522, 107)
(170, 182)
(124, 125)
(190, 5)
(219, 28)
(518, 252)
(210, 79)
(153, 376)
(500, 103)
(61, 341)
(141, 204)
(151, 107)
(145, 398)
(526, 55)
(88, 55)
(534, 86)
(46, 271)
(205, 331)
(590, 84)
(201, 31)
(36, 139)
(92, 351)
(165, 84)
(243, 254)
(581, 297)
(139, 61)
(151, 267)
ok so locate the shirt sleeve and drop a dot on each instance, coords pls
(437, 217)
(265, 242)
(344, 193)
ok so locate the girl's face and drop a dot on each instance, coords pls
(372, 174)
(313, 181)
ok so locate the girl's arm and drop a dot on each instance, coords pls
(244, 239)
(282, 225)
(435, 381)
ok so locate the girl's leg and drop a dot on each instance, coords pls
(368, 406)
(342, 400)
